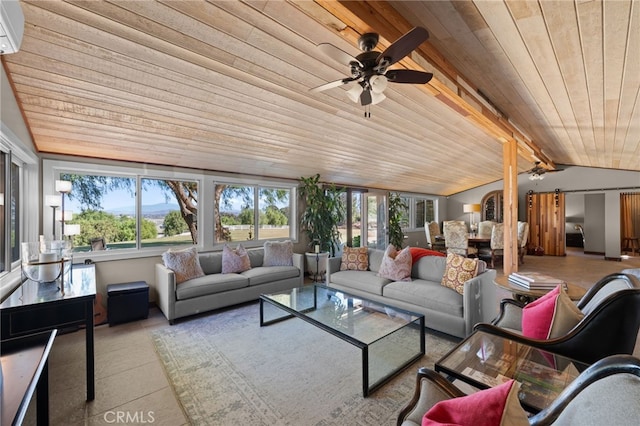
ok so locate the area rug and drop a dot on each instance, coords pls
(227, 370)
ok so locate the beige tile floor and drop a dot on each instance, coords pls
(130, 379)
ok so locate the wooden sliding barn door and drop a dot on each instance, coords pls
(545, 214)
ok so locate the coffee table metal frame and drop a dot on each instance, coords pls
(416, 320)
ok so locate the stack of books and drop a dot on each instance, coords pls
(534, 280)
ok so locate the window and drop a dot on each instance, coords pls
(10, 211)
(169, 212)
(238, 208)
(424, 211)
(3, 225)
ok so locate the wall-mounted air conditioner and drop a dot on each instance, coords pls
(11, 26)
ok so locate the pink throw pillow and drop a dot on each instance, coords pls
(537, 316)
(396, 265)
(490, 407)
(235, 261)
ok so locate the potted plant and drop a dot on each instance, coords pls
(397, 207)
(323, 211)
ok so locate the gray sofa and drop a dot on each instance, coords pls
(216, 290)
(444, 309)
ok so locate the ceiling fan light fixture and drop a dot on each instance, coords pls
(355, 92)
(378, 83)
(376, 98)
(536, 176)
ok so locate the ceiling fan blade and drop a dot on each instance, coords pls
(365, 98)
(332, 84)
(408, 76)
(337, 54)
(403, 46)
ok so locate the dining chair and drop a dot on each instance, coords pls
(497, 242)
(485, 227)
(456, 238)
(607, 392)
(432, 229)
(523, 236)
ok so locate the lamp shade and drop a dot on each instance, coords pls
(66, 216)
(63, 186)
(72, 229)
(53, 200)
(354, 93)
(471, 208)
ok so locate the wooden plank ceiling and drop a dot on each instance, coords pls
(223, 85)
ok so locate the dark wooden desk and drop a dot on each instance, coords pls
(35, 307)
(24, 362)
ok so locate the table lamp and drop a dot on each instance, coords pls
(471, 209)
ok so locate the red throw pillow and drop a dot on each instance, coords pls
(418, 252)
(490, 407)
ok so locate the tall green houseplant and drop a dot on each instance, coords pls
(397, 209)
(323, 211)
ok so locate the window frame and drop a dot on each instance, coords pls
(53, 167)
(413, 200)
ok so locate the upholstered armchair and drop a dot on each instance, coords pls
(523, 237)
(432, 229)
(456, 238)
(606, 393)
(610, 324)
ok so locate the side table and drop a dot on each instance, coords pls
(35, 307)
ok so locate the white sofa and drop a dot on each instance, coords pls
(445, 310)
(217, 290)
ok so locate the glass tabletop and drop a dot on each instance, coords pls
(484, 360)
(364, 321)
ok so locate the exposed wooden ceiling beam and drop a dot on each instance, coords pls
(447, 85)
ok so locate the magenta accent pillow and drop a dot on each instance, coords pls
(235, 261)
(537, 316)
(490, 407)
(396, 265)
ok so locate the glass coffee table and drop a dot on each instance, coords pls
(390, 339)
(484, 360)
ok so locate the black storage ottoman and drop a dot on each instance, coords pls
(127, 302)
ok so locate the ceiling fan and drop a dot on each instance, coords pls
(370, 69)
(538, 172)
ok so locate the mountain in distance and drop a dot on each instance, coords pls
(160, 209)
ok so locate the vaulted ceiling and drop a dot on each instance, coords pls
(224, 86)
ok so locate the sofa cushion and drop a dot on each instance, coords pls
(354, 259)
(256, 257)
(210, 284)
(375, 259)
(368, 281)
(430, 268)
(396, 265)
(278, 253)
(211, 262)
(429, 294)
(234, 261)
(184, 263)
(266, 274)
(459, 270)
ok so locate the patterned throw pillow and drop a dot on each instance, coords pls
(354, 259)
(459, 269)
(184, 263)
(396, 265)
(235, 261)
(495, 406)
(278, 253)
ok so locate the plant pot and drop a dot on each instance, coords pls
(317, 265)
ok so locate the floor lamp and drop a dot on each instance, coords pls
(63, 187)
(471, 209)
(53, 201)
